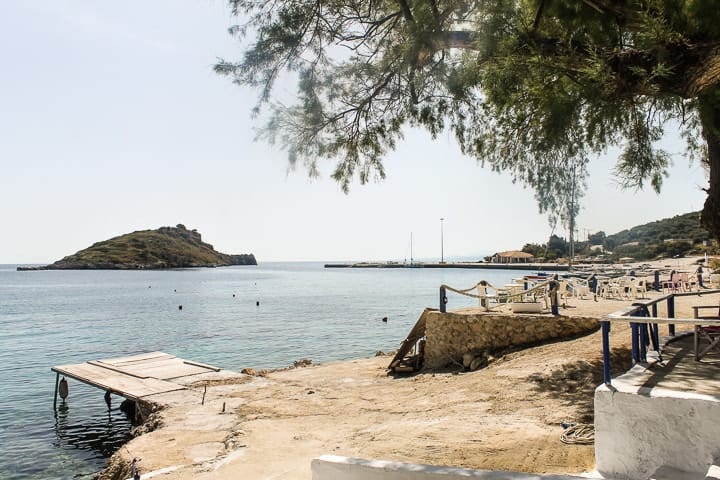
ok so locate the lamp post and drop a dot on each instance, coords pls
(442, 257)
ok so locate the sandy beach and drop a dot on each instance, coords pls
(506, 416)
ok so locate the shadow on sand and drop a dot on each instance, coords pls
(574, 382)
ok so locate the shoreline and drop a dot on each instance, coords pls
(276, 434)
(551, 267)
(275, 423)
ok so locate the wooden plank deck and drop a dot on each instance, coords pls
(136, 376)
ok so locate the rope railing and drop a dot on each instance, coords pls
(467, 291)
(485, 298)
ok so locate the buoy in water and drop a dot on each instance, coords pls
(384, 319)
(63, 389)
(179, 307)
(257, 304)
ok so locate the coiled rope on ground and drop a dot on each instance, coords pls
(579, 434)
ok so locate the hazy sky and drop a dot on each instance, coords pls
(111, 120)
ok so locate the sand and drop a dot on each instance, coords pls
(506, 416)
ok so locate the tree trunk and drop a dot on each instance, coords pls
(710, 119)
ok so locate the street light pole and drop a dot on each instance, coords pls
(442, 257)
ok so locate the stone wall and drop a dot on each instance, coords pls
(453, 334)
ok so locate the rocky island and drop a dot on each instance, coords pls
(166, 247)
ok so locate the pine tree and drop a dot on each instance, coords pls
(531, 87)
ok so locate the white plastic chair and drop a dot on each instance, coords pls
(641, 288)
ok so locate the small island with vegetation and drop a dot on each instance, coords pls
(166, 247)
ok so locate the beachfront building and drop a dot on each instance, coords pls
(513, 256)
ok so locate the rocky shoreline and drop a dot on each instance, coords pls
(133, 266)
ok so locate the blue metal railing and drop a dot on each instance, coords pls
(645, 332)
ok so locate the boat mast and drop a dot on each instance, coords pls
(411, 253)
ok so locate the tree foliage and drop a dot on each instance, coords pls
(530, 87)
(597, 238)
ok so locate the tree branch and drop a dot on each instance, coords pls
(407, 13)
(538, 14)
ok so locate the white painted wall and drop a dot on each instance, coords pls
(333, 467)
(639, 430)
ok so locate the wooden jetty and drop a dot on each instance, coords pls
(135, 377)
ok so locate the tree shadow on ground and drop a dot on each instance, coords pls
(574, 382)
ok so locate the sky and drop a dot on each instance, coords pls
(112, 120)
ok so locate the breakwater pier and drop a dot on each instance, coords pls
(552, 267)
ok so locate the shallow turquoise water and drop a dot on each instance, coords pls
(52, 318)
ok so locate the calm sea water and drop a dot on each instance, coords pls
(50, 318)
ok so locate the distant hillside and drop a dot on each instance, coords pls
(670, 237)
(166, 247)
(680, 228)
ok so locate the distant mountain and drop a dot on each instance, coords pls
(670, 237)
(679, 228)
(166, 247)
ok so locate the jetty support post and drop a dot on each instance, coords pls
(606, 351)
(443, 300)
(57, 381)
(671, 314)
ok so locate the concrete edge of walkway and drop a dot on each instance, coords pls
(334, 467)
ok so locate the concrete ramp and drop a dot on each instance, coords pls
(401, 362)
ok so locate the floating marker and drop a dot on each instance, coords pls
(179, 307)
(63, 389)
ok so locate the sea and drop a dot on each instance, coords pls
(264, 316)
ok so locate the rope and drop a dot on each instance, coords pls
(466, 291)
(579, 434)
